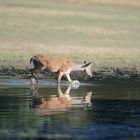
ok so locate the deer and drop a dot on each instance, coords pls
(57, 64)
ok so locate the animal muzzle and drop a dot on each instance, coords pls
(89, 72)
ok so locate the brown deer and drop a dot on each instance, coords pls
(56, 64)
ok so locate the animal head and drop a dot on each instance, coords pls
(88, 67)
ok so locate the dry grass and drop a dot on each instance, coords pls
(102, 56)
(118, 2)
(106, 32)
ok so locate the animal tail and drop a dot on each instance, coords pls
(36, 61)
(31, 60)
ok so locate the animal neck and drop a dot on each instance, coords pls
(77, 67)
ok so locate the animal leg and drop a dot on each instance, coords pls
(59, 77)
(34, 77)
(59, 91)
(74, 83)
(68, 90)
(68, 78)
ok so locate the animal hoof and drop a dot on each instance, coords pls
(33, 81)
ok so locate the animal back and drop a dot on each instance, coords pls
(55, 64)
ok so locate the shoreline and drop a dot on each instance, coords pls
(99, 74)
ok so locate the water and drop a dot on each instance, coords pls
(103, 110)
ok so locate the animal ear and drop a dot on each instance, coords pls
(87, 64)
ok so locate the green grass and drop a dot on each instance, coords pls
(104, 31)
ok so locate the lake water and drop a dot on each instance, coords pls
(102, 110)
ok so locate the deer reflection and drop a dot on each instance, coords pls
(58, 103)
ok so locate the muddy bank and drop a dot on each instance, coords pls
(99, 74)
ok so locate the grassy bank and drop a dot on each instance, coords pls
(104, 31)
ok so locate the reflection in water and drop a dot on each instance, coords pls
(59, 101)
(50, 112)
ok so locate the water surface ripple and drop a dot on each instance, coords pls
(102, 110)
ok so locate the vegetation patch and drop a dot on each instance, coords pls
(106, 32)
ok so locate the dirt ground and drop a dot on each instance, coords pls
(100, 74)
